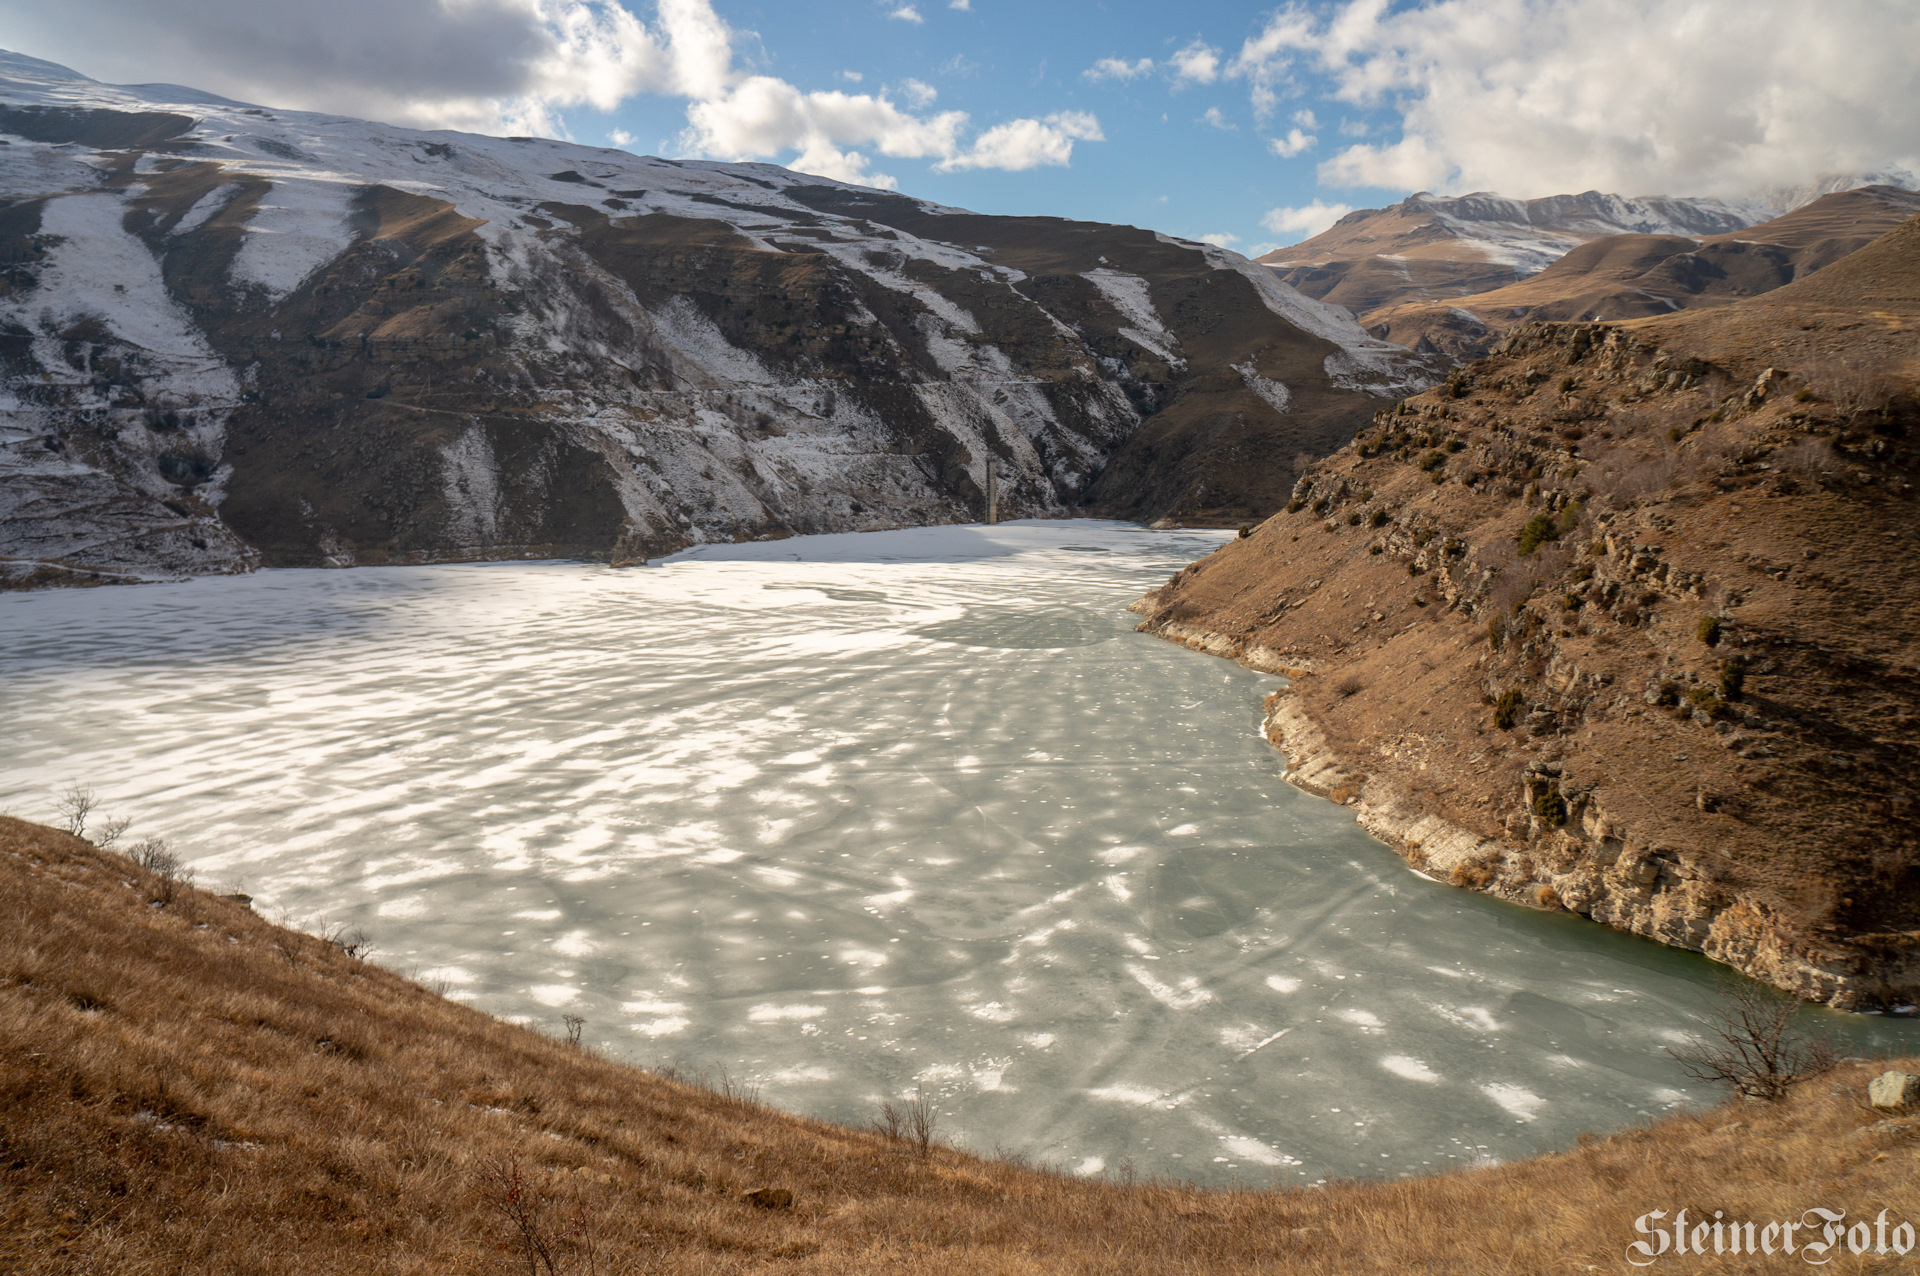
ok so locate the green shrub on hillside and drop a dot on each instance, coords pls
(1506, 708)
(1538, 531)
(1709, 630)
(1733, 678)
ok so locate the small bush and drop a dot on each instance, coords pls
(1295, 505)
(76, 803)
(1349, 687)
(1733, 678)
(1496, 633)
(1551, 809)
(1507, 708)
(1433, 460)
(1538, 531)
(1378, 519)
(1455, 445)
(1709, 630)
(1707, 700)
(1376, 549)
(1755, 1046)
(1353, 519)
(1572, 602)
(1673, 434)
(1245, 531)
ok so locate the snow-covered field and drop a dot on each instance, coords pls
(850, 815)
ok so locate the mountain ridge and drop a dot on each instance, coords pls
(1431, 248)
(233, 335)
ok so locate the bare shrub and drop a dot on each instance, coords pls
(1808, 458)
(351, 940)
(1347, 687)
(574, 1025)
(75, 803)
(1857, 386)
(547, 1247)
(735, 1089)
(891, 1124)
(153, 855)
(922, 1119)
(112, 831)
(913, 1122)
(1753, 1045)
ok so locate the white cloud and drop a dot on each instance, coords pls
(1216, 119)
(1198, 62)
(514, 66)
(1715, 97)
(1118, 69)
(1292, 144)
(496, 65)
(621, 138)
(1024, 144)
(1305, 221)
(1305, 119)
(964, 6)
(906, 13)
(761, 117)
(1220, 239)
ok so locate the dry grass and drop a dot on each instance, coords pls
(185, 1087)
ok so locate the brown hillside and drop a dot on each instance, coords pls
(187, 1088)
(1625, 277)
(1684, 705)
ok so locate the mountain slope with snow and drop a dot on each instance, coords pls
(1430, 248)
(233, 335)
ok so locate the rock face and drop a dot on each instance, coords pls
(233, 336)
(1625, 620)
(1894, 1091)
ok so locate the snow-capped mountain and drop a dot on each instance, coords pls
(232, 334)
(1429, 247)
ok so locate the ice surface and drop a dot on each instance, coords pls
(838, 813)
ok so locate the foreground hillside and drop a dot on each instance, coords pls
(1625, 620)
(188, 1088)
(233, 336)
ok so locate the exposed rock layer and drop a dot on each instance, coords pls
(232, 336)
(1623, 620)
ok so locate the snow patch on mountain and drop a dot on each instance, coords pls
(1130, 295)
(1363, 361)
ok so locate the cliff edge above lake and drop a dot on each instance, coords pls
(1621, 620)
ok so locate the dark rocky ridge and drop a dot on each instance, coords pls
(330, 342)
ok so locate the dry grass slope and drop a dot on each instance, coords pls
(188, 1088)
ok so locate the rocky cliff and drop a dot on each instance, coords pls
(234, 336)
(1623, 620)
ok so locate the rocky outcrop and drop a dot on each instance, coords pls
(1622, 620)
(233, 336)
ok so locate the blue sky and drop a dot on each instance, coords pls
(1181, 156)
(1252, 124)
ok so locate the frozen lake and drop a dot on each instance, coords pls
(849, 816)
